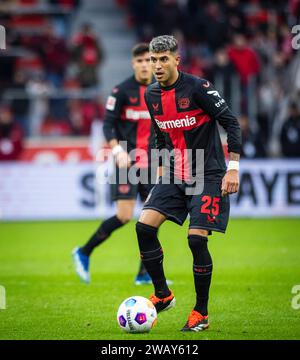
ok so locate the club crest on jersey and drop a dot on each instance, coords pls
(184, 103)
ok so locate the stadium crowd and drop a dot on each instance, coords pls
(243, 47)
(49, 79)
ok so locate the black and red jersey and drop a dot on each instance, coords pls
(185, 116)
(127, 118)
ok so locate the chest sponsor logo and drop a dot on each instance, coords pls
(177, 124)
(184, 103)
(136, 114)
(111, 103)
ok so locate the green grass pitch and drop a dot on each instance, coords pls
(256, 264)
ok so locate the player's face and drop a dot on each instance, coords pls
(164, 66)
(142, 68)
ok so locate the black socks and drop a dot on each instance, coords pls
(104, 231)
(202, 269)
(142, 269)
(152, 257)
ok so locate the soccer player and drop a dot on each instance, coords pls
(127, 119)
(185, 111)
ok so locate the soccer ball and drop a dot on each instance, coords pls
(137, 315)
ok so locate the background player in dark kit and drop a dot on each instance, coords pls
(184, 111)
(127, 119)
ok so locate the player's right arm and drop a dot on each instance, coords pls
(114, 106)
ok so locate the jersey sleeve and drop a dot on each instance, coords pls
(209, 99)
(160, 141)
(231, 125)
(114, 104)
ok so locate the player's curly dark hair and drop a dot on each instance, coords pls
(140, 49)
(163, 43)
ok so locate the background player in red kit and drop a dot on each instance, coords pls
(184, 111)
(127, 119)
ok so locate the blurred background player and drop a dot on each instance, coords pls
(127, 119)
(186, 117)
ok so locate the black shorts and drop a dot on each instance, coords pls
(128, 191)
(208, 210)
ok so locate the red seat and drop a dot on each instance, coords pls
(30, 63)
(28, 22)
(28, 2)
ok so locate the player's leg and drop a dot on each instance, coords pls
(124, 214)
(124, 195)
(202, 272)
(209, 212)
(150, 248)
(144, 189)
(152, 257)
(82, 255)
(142, 276)
(165, 201)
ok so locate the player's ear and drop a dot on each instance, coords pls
(177, 59)
(133, 63)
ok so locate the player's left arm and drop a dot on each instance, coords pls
(230, 182)
(214, 105)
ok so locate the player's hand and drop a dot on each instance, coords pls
(230, 182)
(123, 160)
(159, 172)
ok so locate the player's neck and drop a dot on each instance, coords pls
(145, 82)
(172, 79)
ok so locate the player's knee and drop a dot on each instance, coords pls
(200, 232)
(152, 218)
(197, 243)
(125, 218)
